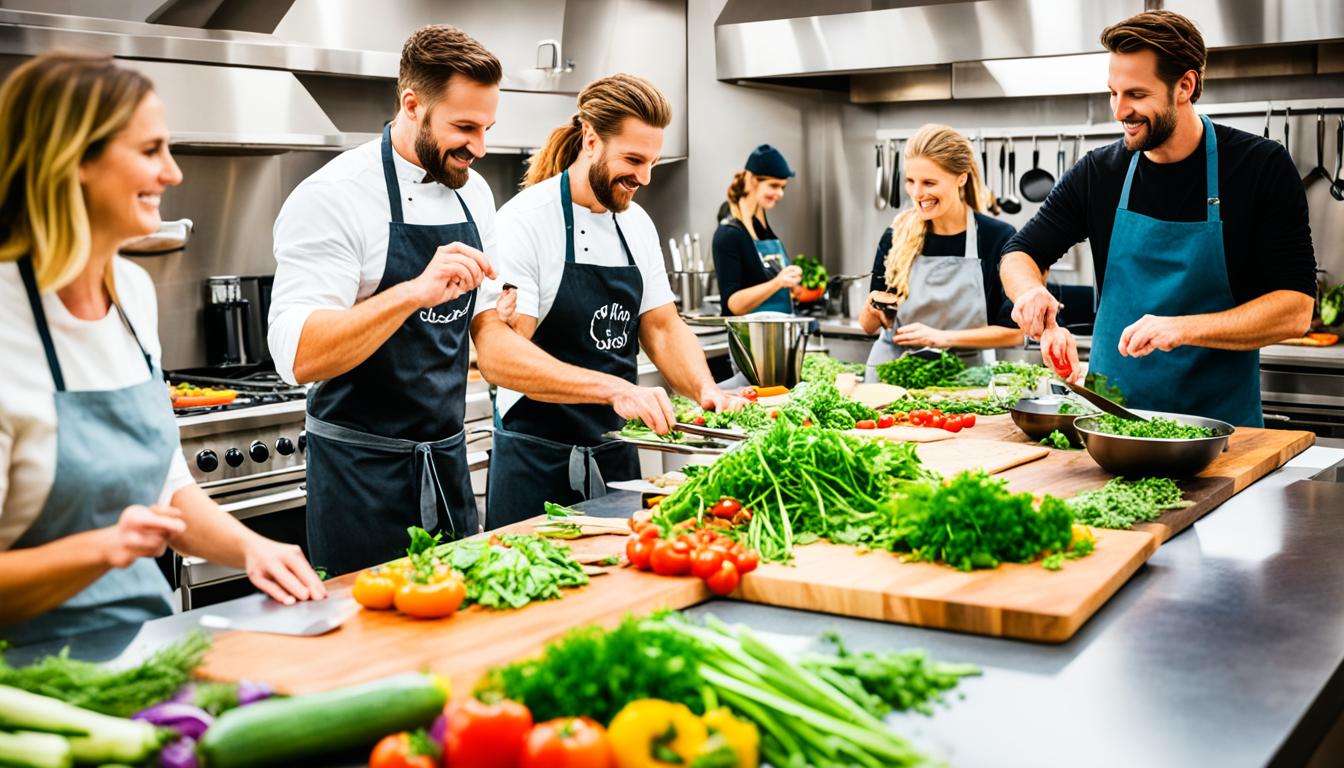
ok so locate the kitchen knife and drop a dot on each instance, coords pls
(308, 618)
(1108, 406)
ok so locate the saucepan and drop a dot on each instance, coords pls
(768, 347)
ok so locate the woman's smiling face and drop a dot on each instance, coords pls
(934, 191)
(769, 191)
(123, 184)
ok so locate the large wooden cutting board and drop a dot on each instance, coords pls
(993, 456)
(1020, 601)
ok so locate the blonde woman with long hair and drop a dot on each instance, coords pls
(93, 483)
(591, 292)
(938, 262)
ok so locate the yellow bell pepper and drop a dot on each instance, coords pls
(650, 733)
(739, 735)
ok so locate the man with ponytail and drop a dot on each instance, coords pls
(378, 257)
(591, 291)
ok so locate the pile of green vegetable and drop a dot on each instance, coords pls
(512, 570)
(1332, 300)
(823, 711)
(819, 366)
(915, 372)
(802, 485)
(636, 429)
(750, 418)
(820, 403)
(1121, 503)
(1157, 427)
(951, 404)
(1021, 376)
(1057, 439)
(814, 272)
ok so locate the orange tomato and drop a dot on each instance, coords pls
(435, 600)
(397, 751)
(375, 589)
(567, 742)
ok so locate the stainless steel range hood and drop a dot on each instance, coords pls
(951, 42)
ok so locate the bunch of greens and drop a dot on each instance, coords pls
(116, 692)
(820, 402)
(819, 366)
(978, 406)
(1122, 503)
(1021, 376)
(751, 418)
(973, 521)
(1332, 300)
(803, 484)
(1057, 439)
(512, 570)
(886, 681)
(1158, 427)
(814, 272)
(636, 429)
(915, 372)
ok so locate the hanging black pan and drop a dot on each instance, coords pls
(1037, 182)
(896, 181)
(1008, 201)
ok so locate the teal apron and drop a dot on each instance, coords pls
(1173, 268)
(113, 450)
(775, 259)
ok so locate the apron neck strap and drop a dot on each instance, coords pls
(1210, 172)
(44, 330)
(394, 187)
(972, 235)
(567, 208)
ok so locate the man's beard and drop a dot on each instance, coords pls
(603, 186)
(1160, 128)
(435, 160)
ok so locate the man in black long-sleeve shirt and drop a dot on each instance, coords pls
(1205, 260)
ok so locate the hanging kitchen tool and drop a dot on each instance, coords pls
(1059, 160)
(1287, 119)
(1337, 186)
(171, 237)
(1008, 201)
(1037, 182)
(896, 182)
(1269, 111)
(879, 186)
(985, 179)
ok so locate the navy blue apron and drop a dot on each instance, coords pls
(113, 450)
(386, 446)
(1172, 268)
(550, 452)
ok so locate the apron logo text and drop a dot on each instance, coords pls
(611, 334)
(430, 316)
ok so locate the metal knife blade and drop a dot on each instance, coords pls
(1108, 406)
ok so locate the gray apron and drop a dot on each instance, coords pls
(946, 292)
(113, 449)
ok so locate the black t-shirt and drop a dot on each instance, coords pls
(992, 235)
(1266, 237)
(735, 259)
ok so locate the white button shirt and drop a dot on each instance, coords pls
(331, 237)
(531, 254)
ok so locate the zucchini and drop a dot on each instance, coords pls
(284, 730)
(93, 737)
(24, 749)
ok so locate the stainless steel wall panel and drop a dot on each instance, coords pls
(1234, 23)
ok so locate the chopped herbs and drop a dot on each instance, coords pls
(1122, 503)
(1157, 427)
(915, 372)
(1057, 439)
(819, 366)
(636, 430)
(952, 404)
(886, 681)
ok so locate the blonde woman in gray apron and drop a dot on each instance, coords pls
(938, 263)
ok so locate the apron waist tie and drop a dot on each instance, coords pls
(583, 468)
(431, 488)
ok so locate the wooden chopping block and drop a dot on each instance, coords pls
(949, 458)
(877, 395)
(903, 434)
(846, 382)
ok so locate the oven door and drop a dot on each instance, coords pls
(1310, 399)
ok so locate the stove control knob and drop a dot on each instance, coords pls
(233, 457)
(207, 461)
(259, 452)
(284, 446)
(303, 441)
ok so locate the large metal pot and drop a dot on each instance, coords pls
(768, 347)
(691, 288)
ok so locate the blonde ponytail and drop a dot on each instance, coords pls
(953, 153)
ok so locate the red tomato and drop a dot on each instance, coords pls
(395, 751)
(671, 558)
(807, 422)
(638, 550)
(706, 561)
(952, 423)
(724, 580)
(917, 418)
(968, 420)
(725, 508)
(568, 742)
(699, 421)
(650, 532)
(865, 424)
(935, 412)
(774, 414)
(745, 559)
(750, 394)
(938, 421)
(886, 420)
(484, 735)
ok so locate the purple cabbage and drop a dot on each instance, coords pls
(250, 692)
(186, 719)
(179, 753)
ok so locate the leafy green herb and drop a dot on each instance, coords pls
(1097, 382)
(819, 366)
(512, 571)
(1158, 427)
(117, 692)
(886, 681)
(821, 403)
(914, 372)
(1057, 439)
(637, 430)
(1070, 408)
(952, 404)
(814, 272)
(1332, 300)
(1121, 503)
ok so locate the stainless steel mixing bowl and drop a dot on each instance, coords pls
(1136, 457)
(1039, 417)
(768, 347)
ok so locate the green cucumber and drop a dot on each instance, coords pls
(282, 730)
(25, 749)
(93, 737)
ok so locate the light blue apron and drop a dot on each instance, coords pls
(775, 259)
(1173, 268)
(113, 449)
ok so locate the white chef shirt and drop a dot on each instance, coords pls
(531, 254)
(331, 236)
(94, 355)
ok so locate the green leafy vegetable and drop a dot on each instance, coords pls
(819, 366)
(952, 404)
(1070, 408)
(1097, 382)
(513, 571)
(637, 430)
(814, 273)
(914, 372)
(1158, 427)
(1057, 439)
(1121, 503)
(1332, 300)
(886, 681)
(821, 403)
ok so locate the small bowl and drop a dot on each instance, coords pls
(1136, 457)
(1039, 417)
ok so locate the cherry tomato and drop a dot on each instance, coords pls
(725, 508)
(375, 589)
(395, 751)
(886, 420)
(671, 558)
(865, 424)
(435, 600)
(952, 423)
(638, 550)
(650, 532)
(968, 420)
(568, 742)
(935, 412)
(745, 559)
(724, 580)
(484, 735)
(750, 394)
(807, 422)
(917, 418)
(699, 421)
(937, 422)
(774, 414)
(706, 561)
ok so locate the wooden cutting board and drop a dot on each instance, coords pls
(876, 394)
(994, 456)
(903, 434)
(1019, 601)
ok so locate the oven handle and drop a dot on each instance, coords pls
(265, 505)
(1276, 417)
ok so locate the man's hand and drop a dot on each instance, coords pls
(1151, 333)
(1035, 310)
(789, 276)
(715, 399)
(455, 269)
(140, 532)
(507, 306)
(1060, 350)
(920, 335)
(650, 405)
(281, 571)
